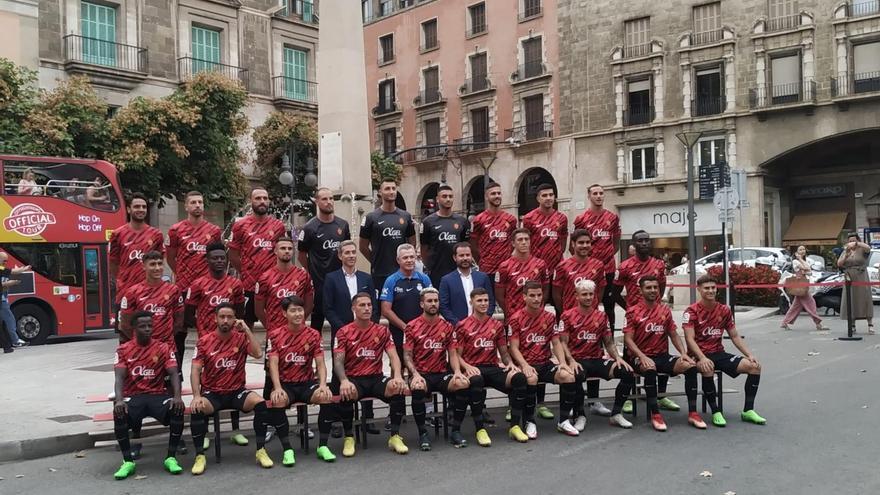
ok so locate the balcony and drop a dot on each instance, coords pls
(428, 97)
(862, 8)
(476, 30)
(477, 142)
(295, 93)
(637, 50)
(385, 108)
(703, 106)
(534, 131)
(638, 115)
(530, 9)
(783, 23)
(189, 66)
(475, 85)
(105, 62)
(707, 37)
(783, 96)
(305, 11)
(848, 85)
(432, 153)
(529, 70)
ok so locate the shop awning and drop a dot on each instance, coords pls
(815, 229)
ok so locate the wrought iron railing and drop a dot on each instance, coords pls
(782, 94)
(638, 115)
(190, 66)
(707, 37)
(107, 53)
(290, 88)
(783, 23)
(529, 70)
(636, 50)
(702, 106)
(474, 84)
(530, 132)
(846, 84)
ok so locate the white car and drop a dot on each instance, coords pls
(775, 257)
(874, 273)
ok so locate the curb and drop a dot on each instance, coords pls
(36, 448)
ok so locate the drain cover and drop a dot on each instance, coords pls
(73, 418)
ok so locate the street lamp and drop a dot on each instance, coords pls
(287, 177)
(689, 140)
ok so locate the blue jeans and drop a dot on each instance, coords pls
(8, 321)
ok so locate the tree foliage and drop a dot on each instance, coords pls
(70, 120)
(381, 167)
(18, 96)
(285, 133)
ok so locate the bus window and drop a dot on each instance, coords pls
(60, 263)
(74, 182)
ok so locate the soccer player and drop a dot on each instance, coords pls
(399, 299)
(218, 382)
(704, 325)
(440, 231)
(479, 342)
(128, 244)
(382, 231)
(284, 279)
(162, 299)
(429, 357)
(629, 273)
(604, 229)
(317, 247)
(142, 366)
(515, 270)
(584, 331)
(251, 247)
(580, 266)
(649, 328)
(357, 363)
(492, 232)
(548, 226)
(209, 291)
(533, 340)
(185, 254)
(293, 349)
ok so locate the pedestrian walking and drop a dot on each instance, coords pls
(801, 299)
(854, 263)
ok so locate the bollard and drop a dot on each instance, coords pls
(850, 324)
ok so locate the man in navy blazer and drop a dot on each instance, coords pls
(455, 287)
(341, 286)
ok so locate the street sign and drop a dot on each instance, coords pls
(729, 217)
(739, 182)
(726, 200)
(713, 177)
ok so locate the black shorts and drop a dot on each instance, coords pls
(300, 392)
(495, 377)
(437, 382)
(596, 368)
(372, 386)
(250, 311)
(664, 363)
(726, 362)
(229, 400)
(546, 372)
(157, 407)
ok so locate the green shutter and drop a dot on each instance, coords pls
(296, 73)
(205, 49)
(308, 10)
(99, 33)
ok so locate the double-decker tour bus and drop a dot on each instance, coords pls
(57, 216)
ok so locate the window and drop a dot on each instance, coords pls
(479, 71)
(707, 23)
(480, 127)
(711, 152)
(785, 73)
(386, 96)
(386, 49)
(432, 136)
(532, 58)
(205, 49)
(367, 10)
(637, 37)
(431, 76)
(709, 98)
(477, 17)
(389, 141)
(866, 67)
(60, 263)
(782, 14)
(296, 74)
(534, 114)
(642, 164)
(303, 8)
(530, 8)
(386, 7)
(639, 108)
(68, 181)
(864, 7)
(99, 33)
(429, 35)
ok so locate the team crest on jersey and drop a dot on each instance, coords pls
(306, 347)
(376, 339)
(455, 226)
(156, 358)
(401, 221)
(235, 349)
(271, 233)
(338, 231)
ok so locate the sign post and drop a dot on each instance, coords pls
(689, 139)
(725, 201)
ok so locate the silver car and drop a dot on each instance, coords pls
(775, 257)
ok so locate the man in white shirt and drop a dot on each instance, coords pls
(456, 287)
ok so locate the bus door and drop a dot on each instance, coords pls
(97, 301)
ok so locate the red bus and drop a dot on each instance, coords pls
(57, 216)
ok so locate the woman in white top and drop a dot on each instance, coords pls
(805, 302)
(27, 185)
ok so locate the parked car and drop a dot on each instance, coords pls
(874, 274)
(775, 257)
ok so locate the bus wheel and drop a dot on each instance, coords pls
(32, 323)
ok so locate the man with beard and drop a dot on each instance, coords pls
(456, 287)
(439, 232)
(211, 290)
(251, 247)
(548, 226)
(604, 229)
(317, 247)
(492, 232)
(382, 231)
(284, 279)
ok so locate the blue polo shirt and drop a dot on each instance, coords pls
(403, 294)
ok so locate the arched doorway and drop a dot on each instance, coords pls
(400, 202)
(427, 200)
(528, 188)
(475, 199)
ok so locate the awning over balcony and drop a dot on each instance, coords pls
(816, 229)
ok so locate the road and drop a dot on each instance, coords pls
(821, 438)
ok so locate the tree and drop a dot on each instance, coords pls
(381, 167)
(70, 120)
(18, 96)
(283, 133)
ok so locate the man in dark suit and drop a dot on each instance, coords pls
(456, 286)
(339, 289)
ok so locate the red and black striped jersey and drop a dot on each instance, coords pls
(254, 238)
(223, 361)
(363, 348)
(533, 332)
(604, 229)
(428, 342)
(127, 248)
(296, 352)
(273, 285)
(190, 242)
(478, 341)
(586, 332)
(632, 270)
(145, 366)
(650, 327)
(571, 271)
(512, 276)
(709, 325)
(206, 293)
(549, 234)
(492, 233)
(163, 300)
